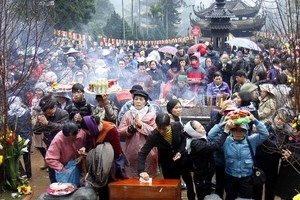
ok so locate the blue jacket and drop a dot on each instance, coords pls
(238, 160)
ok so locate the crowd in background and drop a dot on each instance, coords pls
(257, 82)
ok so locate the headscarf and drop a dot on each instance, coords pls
(193, 133)
(16, 106)
(91, 125)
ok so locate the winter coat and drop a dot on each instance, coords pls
(166, 151)
(282, 91)
(134, 142)
(178, 58)
(21, 125)
(83, 108)
(213, 90)
(109, 110)
(55, 125)
(202, 155)
(267, 108)
(226, 72)
(288, 181)
(62, 150)
(238, 160)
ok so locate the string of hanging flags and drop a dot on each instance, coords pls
(104, 41)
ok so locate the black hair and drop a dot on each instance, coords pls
(276, 61)
(245, 98)
(77, 86)
(262, 75)
(47, 102)
(240, 73)
(282, 78)
(176, 65)
(217, 73)
(162, 119)
(70, 129)
(141, 64)
(99, 97)
(261, 56)
(171, 104)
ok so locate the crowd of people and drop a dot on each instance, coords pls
(78, 127)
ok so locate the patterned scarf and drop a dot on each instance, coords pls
(168, 137)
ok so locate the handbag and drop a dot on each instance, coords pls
(258, 176)
(118, 167)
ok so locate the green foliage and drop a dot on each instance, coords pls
(164, 17)
(114, 28)
(104, 10)
(72, 14)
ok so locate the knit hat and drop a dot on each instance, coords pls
(182, 78)
(171, 104)
(250, 87)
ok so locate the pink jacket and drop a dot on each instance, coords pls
(62, 150)
(134, 142)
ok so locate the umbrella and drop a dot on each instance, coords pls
(243, 42)
(195, 48)
(168, 49)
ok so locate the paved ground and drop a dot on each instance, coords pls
(40, 180)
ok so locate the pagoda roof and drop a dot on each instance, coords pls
(237, 7)
(219, 13)
(236, 26)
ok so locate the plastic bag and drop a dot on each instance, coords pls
(70, 175)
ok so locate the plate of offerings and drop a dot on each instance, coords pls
(61, 189)
(57, 87)
(103, 86)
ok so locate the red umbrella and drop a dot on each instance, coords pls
(168, 49)
(195, 48)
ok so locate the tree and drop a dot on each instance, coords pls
(165, 16)
(103, 12)
(23, 26)
(114, 28)
(283, 22)
(71, 15)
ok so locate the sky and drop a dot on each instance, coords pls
(184, 15)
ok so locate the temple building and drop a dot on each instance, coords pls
(245, 19)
